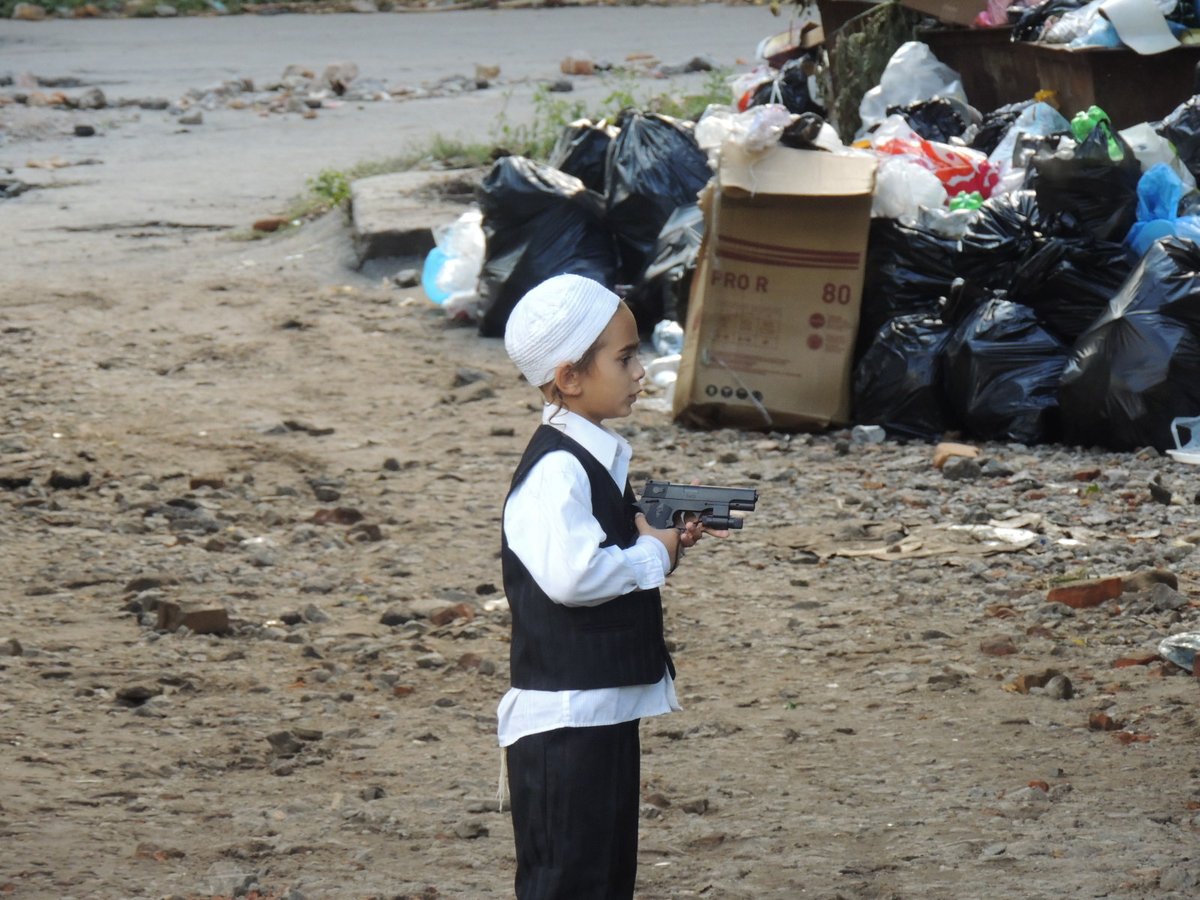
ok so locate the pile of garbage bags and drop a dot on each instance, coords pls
(1060, 303)
(604, 206)
(1028, 277)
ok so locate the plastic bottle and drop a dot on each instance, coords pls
(965, 200)
(868, 434)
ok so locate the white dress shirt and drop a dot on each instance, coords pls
(550, 527)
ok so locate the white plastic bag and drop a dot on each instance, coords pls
(1150, 148)
(902, 187)
(452, 268)
(912, 74)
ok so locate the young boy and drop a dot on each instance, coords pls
(582, 570)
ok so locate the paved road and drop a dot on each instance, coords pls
(238, 164)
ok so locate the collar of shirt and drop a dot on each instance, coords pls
(610, 449)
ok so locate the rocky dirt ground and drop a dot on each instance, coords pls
(322, 460)
(251, 439)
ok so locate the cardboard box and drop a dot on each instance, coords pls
(773, 312)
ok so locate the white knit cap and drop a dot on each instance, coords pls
(556, 323)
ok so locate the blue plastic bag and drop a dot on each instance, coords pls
(1159, 193)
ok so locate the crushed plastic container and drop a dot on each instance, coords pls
(1186, 452)
(1181, 649)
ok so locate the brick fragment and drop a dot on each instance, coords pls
(1086, 594)
(1002, 646)
(948, 449)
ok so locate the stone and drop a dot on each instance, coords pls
(961, 468)
(407, 278)
(136, 695)
(1165, 598)
(451, 613)
(270, 224)
(1086, 594)
(394, 215)
(1145, 580)
(92, 98)
(397, 615)
(196, 117)
(66, 481)
(1000, 646)
(314, 614)
(29, 12)
(1059, 688)
(337, 76)
(85, 131)
(11, 647)
(197, 618)
(165, 11)
(471, 829)
(285, 743)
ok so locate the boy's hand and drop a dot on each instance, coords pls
(693, 530)
(671, 538)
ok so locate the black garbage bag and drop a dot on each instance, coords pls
(1098, 192)
(998, 240)
(1138, 366)
(908, 270)
(581, 150)
(935, 120)
(802, 133)
(1182, 128)
(898, 381)
(654, 166)
(1069, 282)
(1002, 371)
(987, 136)
(663, 291)
(789, 88)
(538, 222)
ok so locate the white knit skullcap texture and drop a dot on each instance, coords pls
(556, 323)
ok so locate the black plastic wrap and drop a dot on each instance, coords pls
(1069, 282)
(908, 270)
(581, 150)
(1098, 192)
(663, 291)
(1138, 366)
(789, 88)
(537, 222)
(934, 120)
(653, 167)
(987, 136)
(1182, 128)
(1002, 372)
(998, 240)
(898, 381)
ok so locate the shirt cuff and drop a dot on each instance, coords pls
(650, 562)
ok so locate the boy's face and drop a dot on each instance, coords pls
(610, 387)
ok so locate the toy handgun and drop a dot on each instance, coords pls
(670, 505)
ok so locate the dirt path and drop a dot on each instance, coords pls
(251, 427)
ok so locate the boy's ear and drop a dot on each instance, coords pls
(566, 379)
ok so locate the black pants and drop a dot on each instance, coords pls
(575, 798)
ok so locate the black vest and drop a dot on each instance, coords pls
(612, 644)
